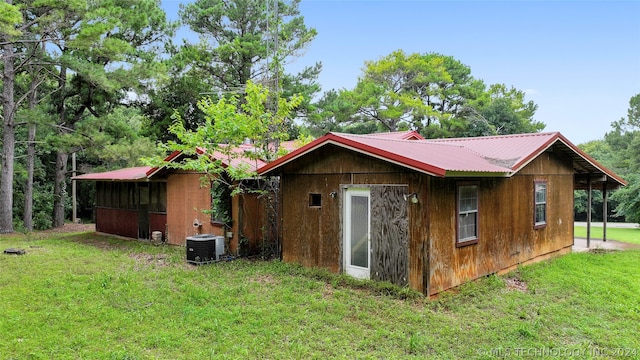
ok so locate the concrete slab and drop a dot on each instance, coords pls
(580, 244)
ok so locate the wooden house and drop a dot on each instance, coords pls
(430, 214)
(135, 202)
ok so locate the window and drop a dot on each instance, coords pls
(158, 197)
(540, 204)
(467, 214)
(315, 200)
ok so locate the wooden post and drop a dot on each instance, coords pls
(604, 211)
(588, 210)
(74, 210)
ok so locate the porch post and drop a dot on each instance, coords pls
(604, 211)
(588, 211)
(74, 209)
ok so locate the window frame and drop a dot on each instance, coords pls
(470, 241)
(540, 224)
(315, 200)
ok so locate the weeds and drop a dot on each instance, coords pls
(85, 296)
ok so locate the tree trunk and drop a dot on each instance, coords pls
(31, 160)
(8, 139)
(60, 188)
(28, 190)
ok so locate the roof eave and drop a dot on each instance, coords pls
(358, 147)
(143, 179)
(477, 174)
(558, 137)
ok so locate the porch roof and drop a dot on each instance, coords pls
(127, 174)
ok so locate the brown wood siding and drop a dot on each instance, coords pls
(312, 236)
(122, 222)
(253, 215)
(506, 222)
(186, 199)
(249, 221)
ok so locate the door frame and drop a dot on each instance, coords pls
(143, 210)
(354, 270)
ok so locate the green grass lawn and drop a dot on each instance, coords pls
(83, 296)
(620, 234)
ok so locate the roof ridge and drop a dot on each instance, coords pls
(546, 133)
(406, 141)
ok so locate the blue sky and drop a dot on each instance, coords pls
(579, 61)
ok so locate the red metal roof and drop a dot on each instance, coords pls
(399, 135)
(480, 156)
(240, 156)
(516, 151)
(512, 151)
(128, 174)
(420, 155)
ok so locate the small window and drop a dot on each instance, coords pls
(540, 204)
(467, 231)
(315, 200)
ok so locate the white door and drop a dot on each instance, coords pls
(357, 228)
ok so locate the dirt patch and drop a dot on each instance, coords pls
(263, 279)
(327, 291)
(150, 259)
(602, 251)
(99, 242)
(71, 227)
(516, 284)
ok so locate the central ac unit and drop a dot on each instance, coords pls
(204, 248)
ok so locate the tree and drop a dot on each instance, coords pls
(225, 129)
(431, 93)
(331, 113)
(448, 95)
(389, 91)
(624, 141)
(239, 34)
(241, 40)
(107, 51)
(628, 199)
(505, 111)
(22, 29)
(620, 151)
(8, 114)
(213, 147)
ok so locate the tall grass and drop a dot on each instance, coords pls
(83, 296)
(629, 235)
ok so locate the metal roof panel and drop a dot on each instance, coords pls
(127, 174)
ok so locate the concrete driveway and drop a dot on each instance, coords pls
(580, 244)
